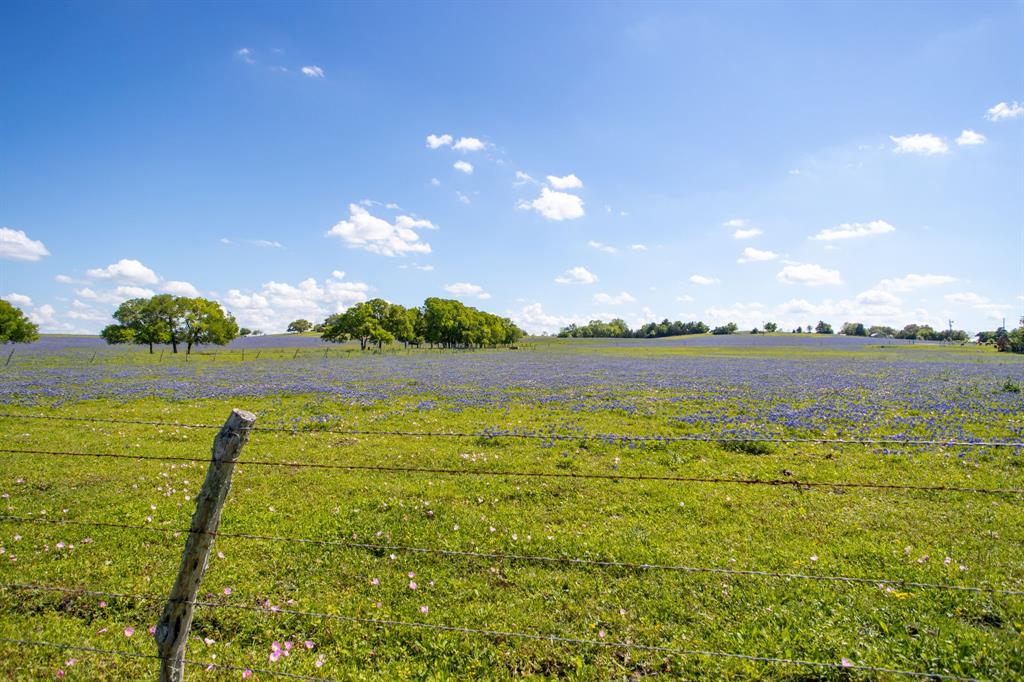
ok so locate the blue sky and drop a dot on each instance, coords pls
(864, 161)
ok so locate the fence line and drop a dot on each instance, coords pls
(383, 622)
(497, 433)
(774, 482)
(603, 563)
(135, 654)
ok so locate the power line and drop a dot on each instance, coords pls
(381, 622)
(380, 468)
(499, 433)
(135, 654)
(604, 563)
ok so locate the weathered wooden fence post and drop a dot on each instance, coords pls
(173, 628)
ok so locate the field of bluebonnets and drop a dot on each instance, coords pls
(668, 509)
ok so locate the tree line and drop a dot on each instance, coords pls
(446, 323)
(171, 319)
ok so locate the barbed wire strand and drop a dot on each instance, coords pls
(495, 434)
(383, 622)
(604, 563)
(380, 468)
(135, 654)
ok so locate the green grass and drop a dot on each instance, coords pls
(866, 533)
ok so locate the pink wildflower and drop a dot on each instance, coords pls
(129, 631)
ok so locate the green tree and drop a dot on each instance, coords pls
(730, 328)
(244, 331)
(15, 327)
(205, 321)
(823, 328)
(770, 327)
(854, 329)
(300, 326)
(140, 321)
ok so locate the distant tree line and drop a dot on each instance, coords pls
(446, 323)
(171, 319)
(618, 328)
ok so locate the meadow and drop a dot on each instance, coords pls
(579, 509)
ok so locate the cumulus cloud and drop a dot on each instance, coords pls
(362, 230)
(746, 315)
(469, 144)
(735, 222)
(568, 182)
(613, 299)
(115, 295)
(434, 182)
(276, 304)
(980, 303)
(64, 279)
(523, 178)
(913, 281)
(125, 270)
(1003, 111)
(970, 138)
(638, 247)
(533, 319)
(702, 280)
(466, 289)
(43, 315)
(437, 141)
(808, 274)
(313, 71)
(556, 206)
(246, 55)
(464, 166)
(416, 266)
(854, 230)
(20, 300)
(16, 245)
(576, 275)
(922, 143)
(602, 247)
(179, 288)
(752, 255)
(746, 234)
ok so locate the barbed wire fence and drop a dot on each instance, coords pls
(204, 531)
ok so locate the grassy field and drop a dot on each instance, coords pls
(560, 393)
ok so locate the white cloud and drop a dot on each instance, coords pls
(555, 205)
(265, 243)
(278, 303)
(601, 247)
(467, 289)
(568, 182)
(20, 300)
(469, 144)
(576, 275)
(125, 270)
(613, 299)
(413, 266)
(808, 274)
(685, 298)
(638, 247)
(365, 231)
(922, 143)
(979, 303)
(523, 178)
(179, 288)
(702, 280)
(794, 171)
(464, 166)
(877, 297)
(462, 197)
(735, 222)
(64, 279)
(437, 141)
(970, 138)
(854, 230)
(746, 234)
(43, 315)
(245, 54)
(434, 182)
(746, 315)
(16, 245)
(115, 295)
(913, 281)
(752, 255)
(533, 319)
(1003, 111)
(313, 71)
